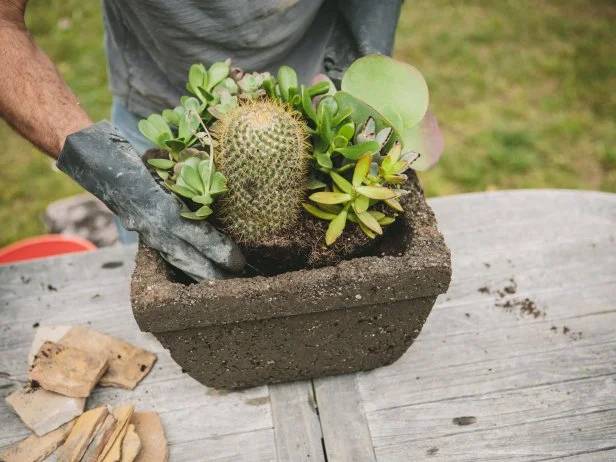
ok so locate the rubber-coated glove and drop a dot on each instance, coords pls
(105, 164)
(363, 27)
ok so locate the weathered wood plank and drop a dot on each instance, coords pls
(549, 439)
(345, 430)
(528, 382)
(201, 423)
(296, 423)
(241, 447)
(469, 414)
(77, 289)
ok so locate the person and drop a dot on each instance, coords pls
(150, 46)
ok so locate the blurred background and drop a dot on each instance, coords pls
(524, 90)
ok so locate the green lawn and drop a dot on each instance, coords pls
(524, 91)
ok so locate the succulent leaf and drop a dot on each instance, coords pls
(287, 78)
(192, 178)
(342, 183)
(376, 192)
(317, 212)
(370, 222)
(361, 204)
(336, 227)
(330, 197)
(162, 164)
(362, 167)
(204, 212)
(354, 152)
(313, 183)
(217, 72)
(394, 204)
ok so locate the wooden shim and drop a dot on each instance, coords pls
(345, 430)
(296, 423)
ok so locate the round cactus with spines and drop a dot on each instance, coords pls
(262, 150)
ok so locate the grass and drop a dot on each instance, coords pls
(523, 91)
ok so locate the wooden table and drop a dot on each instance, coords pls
(526, 376)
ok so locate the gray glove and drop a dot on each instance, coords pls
(363, 27)
(105, 164)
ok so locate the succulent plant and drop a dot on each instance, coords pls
(273, 139)
(193, 177)
(351, 200)
(262, 150)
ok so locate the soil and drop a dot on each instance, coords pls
(32, 386)
(523, 307)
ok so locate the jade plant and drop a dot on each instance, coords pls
(259, 153)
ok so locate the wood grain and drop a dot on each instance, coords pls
(200, 423)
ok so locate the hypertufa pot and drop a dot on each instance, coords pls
(358, 315)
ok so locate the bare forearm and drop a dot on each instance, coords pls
(34, 98)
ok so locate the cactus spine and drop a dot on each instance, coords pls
(262, 150)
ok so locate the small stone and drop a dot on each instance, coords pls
(82, 434)
(131, 445)
(358, 297)
(128, 364)
(43, 411)
(36, 448)
(152, 435)
(67, 370)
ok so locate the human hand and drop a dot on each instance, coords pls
(105, 164)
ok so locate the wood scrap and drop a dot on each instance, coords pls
(152, 435)
(82, 434)
(112, 450)
(128, 364)
(100, 439)
(131, 445)
(43, 411)
(46, 334)
(67, 370)
(36, 448)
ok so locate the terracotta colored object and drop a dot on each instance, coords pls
(358, 315)
(66, 370)
(43, 246)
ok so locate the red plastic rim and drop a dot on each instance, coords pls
(42, 247)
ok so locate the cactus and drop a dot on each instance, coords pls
(262, 150)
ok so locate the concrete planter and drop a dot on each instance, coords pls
(358, 315)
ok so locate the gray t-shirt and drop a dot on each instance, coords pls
(151, 44)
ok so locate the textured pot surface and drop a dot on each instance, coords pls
(358, 315)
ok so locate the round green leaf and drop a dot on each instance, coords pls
(382, 81)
